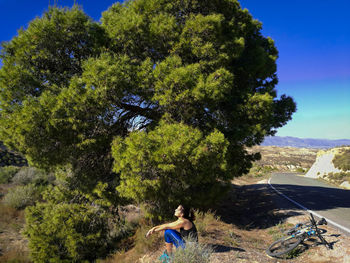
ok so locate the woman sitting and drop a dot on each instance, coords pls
(184, 224)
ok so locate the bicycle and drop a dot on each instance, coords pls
(296, 235)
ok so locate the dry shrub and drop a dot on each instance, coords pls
(15, 256)
(21, 196)
(32, 175)
(338, 178)
(14, 251)
(194, 252)
(140, 245)
(204, 220)
(145, 244)
(8, 215)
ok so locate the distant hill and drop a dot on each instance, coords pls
(303, 143)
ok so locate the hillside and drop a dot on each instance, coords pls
(285, 158)
(325, 168)
(303, 142)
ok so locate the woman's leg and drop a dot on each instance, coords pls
(172, 237)
(169, 248)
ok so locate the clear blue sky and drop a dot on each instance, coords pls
(313, 39)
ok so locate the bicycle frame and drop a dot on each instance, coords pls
(295, 236)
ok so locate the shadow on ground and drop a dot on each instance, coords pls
(220, 248)
(257, 206)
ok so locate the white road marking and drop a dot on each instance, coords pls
(308, 210)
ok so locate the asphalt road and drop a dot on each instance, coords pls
(328, 201)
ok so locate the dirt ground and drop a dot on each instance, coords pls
(251, 218)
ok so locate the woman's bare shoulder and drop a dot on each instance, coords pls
(187, 224)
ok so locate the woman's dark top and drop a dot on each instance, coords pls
(192, 232)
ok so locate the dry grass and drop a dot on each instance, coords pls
(9, 216)
(204, 220)
(194, 252)
(13, 247)
(277, 231)
(17, 253)
(21, 196)
(137, 246)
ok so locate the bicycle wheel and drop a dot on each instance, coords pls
(283, 245)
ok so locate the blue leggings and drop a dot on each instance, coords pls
(174, 237)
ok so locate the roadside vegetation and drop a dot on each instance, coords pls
(261, 171)
(337, 178)
(342, 160)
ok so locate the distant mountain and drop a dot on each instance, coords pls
(303, 143)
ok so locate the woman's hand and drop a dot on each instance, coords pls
(174, 225)
(150, 232)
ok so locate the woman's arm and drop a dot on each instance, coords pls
(173, 225)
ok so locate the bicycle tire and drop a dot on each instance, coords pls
(283, 246)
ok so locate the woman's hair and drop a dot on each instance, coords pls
(188, 213)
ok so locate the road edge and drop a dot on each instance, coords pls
(343, 228)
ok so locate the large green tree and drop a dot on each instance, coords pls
(180, 87)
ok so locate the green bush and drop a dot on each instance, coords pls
(65, 232)
(6, 173)
(29, 175)
(300, 170)
(194, 252)
(21, 196)
(173, 164)
(70, 232)
(342, 160)
(261, 170)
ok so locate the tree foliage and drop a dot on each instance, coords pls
(172, 163)
(179, 88)
(66, 232)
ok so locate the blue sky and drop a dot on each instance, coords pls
(313, 39)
